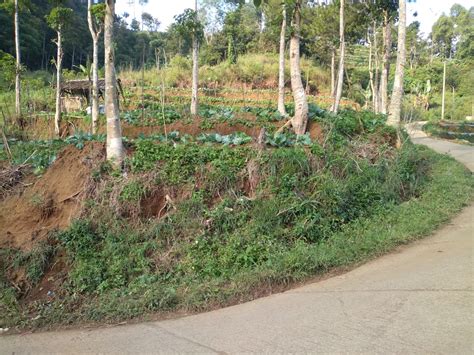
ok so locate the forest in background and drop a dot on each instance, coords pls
(233, 31)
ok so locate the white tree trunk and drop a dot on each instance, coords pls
(95, 84)
(395, 109)
(18, 65)
(371, 73)
(333, 73)
(59, 64)
(194, 95)
(115, 152)
(387, 40)
(300, 120)
(281, 66)
(95, 33)
(376, 74)
(195, 85)
(444, 91)
(342, 50)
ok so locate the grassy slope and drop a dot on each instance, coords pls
(449, 189)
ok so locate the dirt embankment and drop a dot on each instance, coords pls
(51, 202)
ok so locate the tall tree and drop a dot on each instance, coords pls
(151, 23)
(342, 52)
(395, 109)
(18, 65)
(195, 84)
(95, 19)
(443, 95)
(464, 30)
(443, 36)
(58, 19)
(115, 152)
(281, 64)
(387, 48)
(300, 120)
(376, 97)
(381, 14)
(13, 7)
(324, 28)
(188, 25)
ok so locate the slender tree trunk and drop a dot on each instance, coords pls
(397, 93)
(300, 120)
(376, 74)
(18, 65)
(371, 72)
(115, 152)
(95, 33)
(387, 40)
(333, 73)
(444, 91)
(95, 84)
(195, 85)
(281, 66)
(452, 103)
(59, 65)
(342, 51)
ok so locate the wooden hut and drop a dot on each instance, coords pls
(76, 94)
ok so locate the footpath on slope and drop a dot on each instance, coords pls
(419, 300)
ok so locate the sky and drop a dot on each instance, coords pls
(428, 10)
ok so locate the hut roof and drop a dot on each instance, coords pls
(83, 86)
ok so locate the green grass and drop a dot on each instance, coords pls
(316, 208)
(212, 272)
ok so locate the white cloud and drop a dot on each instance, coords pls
(428, 11)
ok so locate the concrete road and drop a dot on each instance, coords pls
(461, 152)
(417, 300)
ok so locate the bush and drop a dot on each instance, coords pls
(7, 70)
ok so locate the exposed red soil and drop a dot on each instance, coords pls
(29, 214)
(192, 128)
(50, 283)
(316, 132)
(159, 201)
(51, 202)
(154, 204)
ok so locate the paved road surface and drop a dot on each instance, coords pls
(463, 153)
(419, 300)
